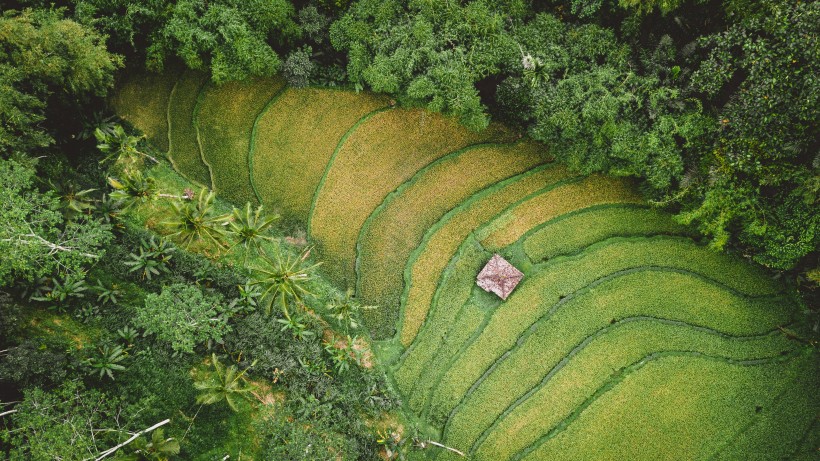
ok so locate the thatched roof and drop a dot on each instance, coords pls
(499, 277)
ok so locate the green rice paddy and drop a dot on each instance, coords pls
(626, 339)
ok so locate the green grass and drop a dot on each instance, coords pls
(574, 231)
(224, 123)
(396, 228)
(428, 262)
(538, 293)
(183, 150)
(385, 151)
(516, 222)
(142, 100)
(296, 137)
(657, 294)
(682, 406)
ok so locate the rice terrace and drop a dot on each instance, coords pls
(626, 338)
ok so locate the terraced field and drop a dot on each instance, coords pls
(626, 338)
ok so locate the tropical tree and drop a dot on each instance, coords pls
(195, 221)
(46, 61)
(133, 189)
(107, 360)
(152, 259)
(248, 229)
(183, 316)
(121, 147)
(344, 309)
(73, 201)
(221, 383)
(283, 280)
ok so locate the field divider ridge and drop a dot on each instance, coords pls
(336, 151)
(252, 145)
(634, 367)
(445, 219)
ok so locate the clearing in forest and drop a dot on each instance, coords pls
(622, 319)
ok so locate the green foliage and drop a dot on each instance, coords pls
(296, 326)
(107, 294)
(35, 239)
(73, 201)
(314, 24)
(195, 222)
(158, 448)
(121, 147)
(298, 67)
(430, 53)
(283, 279)
(228, 38)
(107, 360)
(152, 260)
(128, 335)
(21, 114)
(37, 362)
(758, 185)
(183, 316)
(586, 8)
(292, 441)
(42, 54)
(69, 423)
(345, 310)
(72, 286)
(221, 383)
(599, 113)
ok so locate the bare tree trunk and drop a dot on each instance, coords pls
(445, 447)
(113, 450)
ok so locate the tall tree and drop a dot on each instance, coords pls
(46, 61)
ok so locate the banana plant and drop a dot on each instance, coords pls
(107, 361)
(222, 383)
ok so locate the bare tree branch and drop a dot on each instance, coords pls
(113, 450)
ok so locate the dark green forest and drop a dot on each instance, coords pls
(712, 106)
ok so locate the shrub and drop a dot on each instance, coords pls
(183, 316)
(298, 68)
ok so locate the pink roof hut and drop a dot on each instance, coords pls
(499, 277)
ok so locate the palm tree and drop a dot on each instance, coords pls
(132, 189)
(283, 280)
(158, 449)
(247, 228)
(121, 147)
(222, 383)
(195, 221)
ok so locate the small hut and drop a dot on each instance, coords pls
(499, 276)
